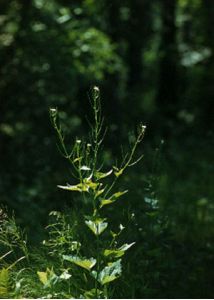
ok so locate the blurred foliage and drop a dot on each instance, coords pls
(153, 61)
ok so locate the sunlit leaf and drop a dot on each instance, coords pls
(118, 172)
(65, 275)
(86, 263)
(78, 159)
(112, 199)
(100, 175)
(97, 226)
(116, 253)
(109, 273)
(113, 253)
(126, 246)
(4, 282)
(121, 227)
(85, 168)
(92, 185)
(43, 277)
(105, 202)
(47, 277)
(118, 194)
(81, 187)
(99, 192)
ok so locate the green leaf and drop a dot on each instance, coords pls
(81, 187)
(97, 226)
(125, 247)
(92, 185)
(113, 253)
(118, 172)
(4, 282)
(109, 273)
(104, 202)
(99, 192)
(47, 277)
(118, 194)
(3, 292)
(152, 214)
(112, 199)
(78, 159)
(92, 294)
(86, 263)
(100, 175)
(6, 254)
(43, 277)
(116, 253)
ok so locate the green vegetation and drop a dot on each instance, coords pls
(99, 257)
(153, 62)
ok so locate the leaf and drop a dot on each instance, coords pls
(152, 214)
(4, 283)
(105, 202)
(112, 199)
(78, 159)
(109, 273)
(100, 175)
(125, 247)
(85, 168)
(113, 253)
(118, 194)
(65, 275)
(90, 184)
(43, 277)
(116, 253)
(3, 292)
(97, 226)
(74, 245)
(81, 187)
(47, 277)
(99, 192)
(92, 294)
(121, 227)
(6, 254)
(86, 263)
(118, 172)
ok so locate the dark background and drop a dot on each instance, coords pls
(153, 61)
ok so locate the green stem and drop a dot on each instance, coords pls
(126, 164)
(106, 291)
